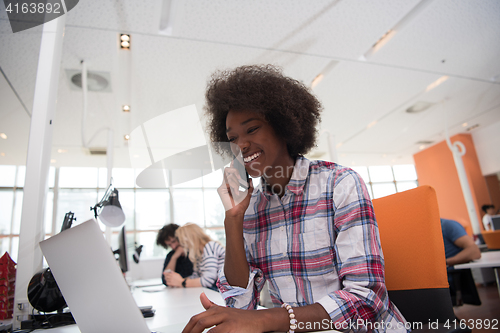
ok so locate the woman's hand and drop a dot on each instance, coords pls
(235, 202)
(179, 252)
(173, 279)
(225, 320)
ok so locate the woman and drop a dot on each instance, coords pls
(206, 255)
(308, 229)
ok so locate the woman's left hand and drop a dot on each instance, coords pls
(173, 279)
(225, 320)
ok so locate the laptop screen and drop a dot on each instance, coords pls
(91, 281)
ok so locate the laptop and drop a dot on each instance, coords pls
(92, 283)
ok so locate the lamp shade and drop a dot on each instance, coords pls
(112, 214)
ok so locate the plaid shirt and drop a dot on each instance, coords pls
(319, 243)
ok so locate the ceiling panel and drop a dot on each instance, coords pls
(458, 37)
(329, 28)
(364, 101)
(117, 15)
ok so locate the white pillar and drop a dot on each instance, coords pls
(109, 155)
(458, 150)
(37, 164)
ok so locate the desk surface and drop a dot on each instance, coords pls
(174, 307)
(488, 259)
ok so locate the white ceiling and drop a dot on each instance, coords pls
(364, 100)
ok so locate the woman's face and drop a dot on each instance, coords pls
(263, 151)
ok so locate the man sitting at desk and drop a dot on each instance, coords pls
(176, 260)
(460, 248)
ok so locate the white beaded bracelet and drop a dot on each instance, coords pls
(293, 321)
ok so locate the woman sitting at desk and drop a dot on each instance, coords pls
(308, 229)
(206, 255)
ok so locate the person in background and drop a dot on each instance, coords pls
(206, 255)
(459, 248)
(489, 211)
(176, 260)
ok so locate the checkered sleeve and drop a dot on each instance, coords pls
(238, 297)
(358, 255)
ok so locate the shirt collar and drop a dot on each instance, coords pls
(297, 181)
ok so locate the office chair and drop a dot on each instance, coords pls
(492, 239)
(415, 265)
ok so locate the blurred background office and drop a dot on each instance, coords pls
(396, 78)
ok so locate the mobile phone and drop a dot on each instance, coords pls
(244, 177)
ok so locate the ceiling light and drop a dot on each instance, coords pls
(126, 137)
(383, 40)
(3, 136)
(339, 145)
(422, 147)
(316, 80)
(2, 154)
(399, 26)
(371, 124)
(126, 108)
(472, 127)
(436, 83)
(419, 106)
(53, 161)
(125, 41)
(464, 125)
(62, 151)
(323, 72)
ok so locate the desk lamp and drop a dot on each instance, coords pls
(109, 209)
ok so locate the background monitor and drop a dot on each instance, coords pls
(495, 219)
(122, 250)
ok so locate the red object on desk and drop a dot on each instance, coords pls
(7, 286)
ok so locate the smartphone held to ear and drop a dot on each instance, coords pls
(244, 177)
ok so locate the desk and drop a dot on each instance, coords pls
(488, 259)
(174, 306)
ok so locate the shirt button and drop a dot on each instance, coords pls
(289, 279)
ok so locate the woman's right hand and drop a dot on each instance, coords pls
(235, 202)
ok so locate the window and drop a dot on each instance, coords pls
(383, 180)
(147, 209)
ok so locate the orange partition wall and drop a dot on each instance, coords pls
(435, 167)
(494, 189)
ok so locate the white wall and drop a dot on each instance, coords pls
(487, 143)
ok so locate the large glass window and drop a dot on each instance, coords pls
(147, 209)
(152, 209)
(188, 206)
(383, 180)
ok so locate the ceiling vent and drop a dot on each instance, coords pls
(96, 81)
(472, 127)
(97, 151)
(419, 106)
(424, 142)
